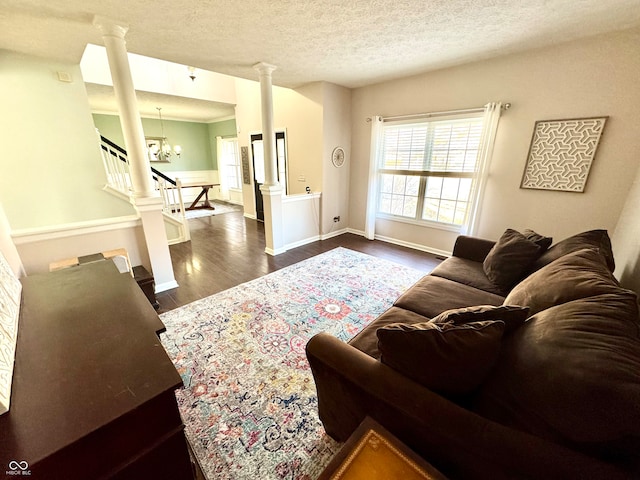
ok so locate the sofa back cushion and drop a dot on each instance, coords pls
(510, 259)
(432, 295)
(543, 242)
(571, 373)
(595, 239)
(467, 272)
(575, 275)
(447, 358)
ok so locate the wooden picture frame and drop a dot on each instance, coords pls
(561, 154)
(244, 156)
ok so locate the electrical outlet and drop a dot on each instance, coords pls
(336, 219)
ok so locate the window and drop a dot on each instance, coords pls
(427, 168)
(230, 163)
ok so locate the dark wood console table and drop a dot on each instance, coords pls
(93, 389)
(205, 191)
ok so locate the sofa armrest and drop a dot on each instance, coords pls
(472, 248)
(352, 385)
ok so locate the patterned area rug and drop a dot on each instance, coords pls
(249, 402)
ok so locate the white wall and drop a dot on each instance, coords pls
(301, 219)
(160, 76)
(592, 77)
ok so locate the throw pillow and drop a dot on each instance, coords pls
(447, 358)
(510, 259)
(570, 374)
(540, 240)
(576, 275)
(512, 315)
(594, 239)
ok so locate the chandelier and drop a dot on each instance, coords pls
(163, 151)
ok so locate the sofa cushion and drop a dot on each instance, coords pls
(576, 275)
(447, 358)
(433, 295)
(510, 259)
(595, 239)
(467, 272)
(366, 340)
(543, 242)
(512, 315)
(571, 373)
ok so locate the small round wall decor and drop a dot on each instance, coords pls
(337, 157)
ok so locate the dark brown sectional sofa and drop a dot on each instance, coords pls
(546, 385)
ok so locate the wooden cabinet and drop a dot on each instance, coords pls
(93, 389)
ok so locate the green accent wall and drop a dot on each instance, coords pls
(193, 137)
(51, 168)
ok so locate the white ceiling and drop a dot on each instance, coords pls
(350, 43)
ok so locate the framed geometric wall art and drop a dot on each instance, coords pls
(244, 155)
(561, 153)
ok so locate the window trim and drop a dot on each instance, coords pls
(423, 175)
(236, 166)
(491, 113)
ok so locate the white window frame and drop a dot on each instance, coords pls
(229, 169)
(489, 116)
(427, 153)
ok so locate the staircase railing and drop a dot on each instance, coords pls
(116, 165)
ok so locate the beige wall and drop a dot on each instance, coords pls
(299, 112)
(592, 77)
(316, 118)
(335, 181)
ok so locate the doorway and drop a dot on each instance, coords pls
(257, 155)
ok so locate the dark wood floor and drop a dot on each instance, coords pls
(227, 250)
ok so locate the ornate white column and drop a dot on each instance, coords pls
(139, 168)
(145, 198)
(271, 189)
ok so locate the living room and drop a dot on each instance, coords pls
(583, 78)
(51, 192)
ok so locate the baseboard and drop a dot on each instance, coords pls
(402, 243)
(273, 253)
(300, 243)
(326, 236)
(161, 287)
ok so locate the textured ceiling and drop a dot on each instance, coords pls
(351, 43)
